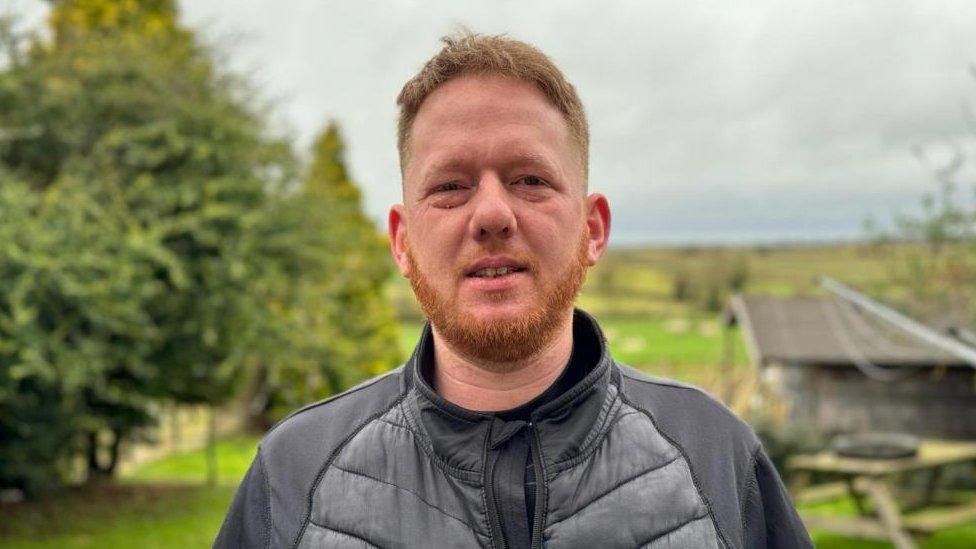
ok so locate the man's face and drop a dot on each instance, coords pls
(495, 231)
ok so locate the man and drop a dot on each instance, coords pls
(511, 425)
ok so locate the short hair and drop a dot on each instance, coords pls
(470, 53)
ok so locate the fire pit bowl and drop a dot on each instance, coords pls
(876, 445)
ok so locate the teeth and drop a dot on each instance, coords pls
(491, 273)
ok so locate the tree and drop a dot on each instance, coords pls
(940, 273)
(142, 210)
(157, 244)
(344, 328)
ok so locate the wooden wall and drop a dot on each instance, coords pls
(933, 402)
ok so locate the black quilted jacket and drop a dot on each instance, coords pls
(620, 460)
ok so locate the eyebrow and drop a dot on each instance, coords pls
(527, 157)
(518, 158)
(446, 165)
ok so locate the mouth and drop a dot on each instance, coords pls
(495, 272)
(499, 266)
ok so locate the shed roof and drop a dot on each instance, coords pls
(826, 330)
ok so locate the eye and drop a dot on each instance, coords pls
(448, 195)
(531, 181)
(447, 187)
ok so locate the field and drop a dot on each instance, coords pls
(664, 283)
(690, 350)
(164, 504)
(661, 309)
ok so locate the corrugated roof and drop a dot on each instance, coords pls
(828, 330)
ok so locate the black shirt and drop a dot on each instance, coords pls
(583, 357)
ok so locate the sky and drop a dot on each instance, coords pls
(711, 122)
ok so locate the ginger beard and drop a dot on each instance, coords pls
(502, 344)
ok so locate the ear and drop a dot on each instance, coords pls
(598, 225)
(397, 229)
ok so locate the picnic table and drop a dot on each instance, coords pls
(872, 480)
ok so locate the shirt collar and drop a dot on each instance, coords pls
(565, 422)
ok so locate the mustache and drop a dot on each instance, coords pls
(526, 261)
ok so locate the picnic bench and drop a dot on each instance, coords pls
(872, 481)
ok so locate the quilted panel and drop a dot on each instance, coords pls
(384, 489)
(635, 489)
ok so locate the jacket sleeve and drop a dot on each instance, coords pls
(248, 522)
(769, 518)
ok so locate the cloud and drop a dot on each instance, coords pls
(709, 121)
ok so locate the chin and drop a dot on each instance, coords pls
(499, 311)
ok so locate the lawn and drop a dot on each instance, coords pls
(125, 515)
(164, 504)
(960, 537)
(689, 350)
(642, 282)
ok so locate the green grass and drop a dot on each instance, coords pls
(409, 336)
(959, 537)
(631, 293)
(679, 341)
(688, 350)
(233, 458)
(162, 504)
(145, 516)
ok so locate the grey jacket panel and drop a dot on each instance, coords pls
(768, 517)
(248, 522)
(297, 449)
(724, 454)
(318, 536)
(635, 489)
(625, 461)
(394, 495)
(688, 535)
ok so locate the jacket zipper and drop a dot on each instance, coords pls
(541, 490)
(494, 519)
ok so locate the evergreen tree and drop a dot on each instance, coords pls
(145, 234)
(345, 328)
(156, 245)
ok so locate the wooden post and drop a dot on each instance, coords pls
(799, 480)
(888, 513)
(931, 485)
(728, 360)
(211, 446)
(174, 427)
(853, 490)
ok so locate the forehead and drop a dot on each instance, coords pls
(487, 118)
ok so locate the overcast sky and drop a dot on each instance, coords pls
(710, 122)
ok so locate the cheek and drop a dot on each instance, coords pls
(555, 234)
(435, 238)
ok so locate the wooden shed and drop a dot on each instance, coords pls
(843, 369)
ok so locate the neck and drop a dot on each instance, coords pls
(486, 387)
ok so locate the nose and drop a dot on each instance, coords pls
(493, 216)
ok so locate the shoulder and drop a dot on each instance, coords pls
(687, 414)
(297, 448)
(735, 478)
(295, 452)
(336, 416)
(720, 449)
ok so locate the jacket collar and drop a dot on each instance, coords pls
(566, 425)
